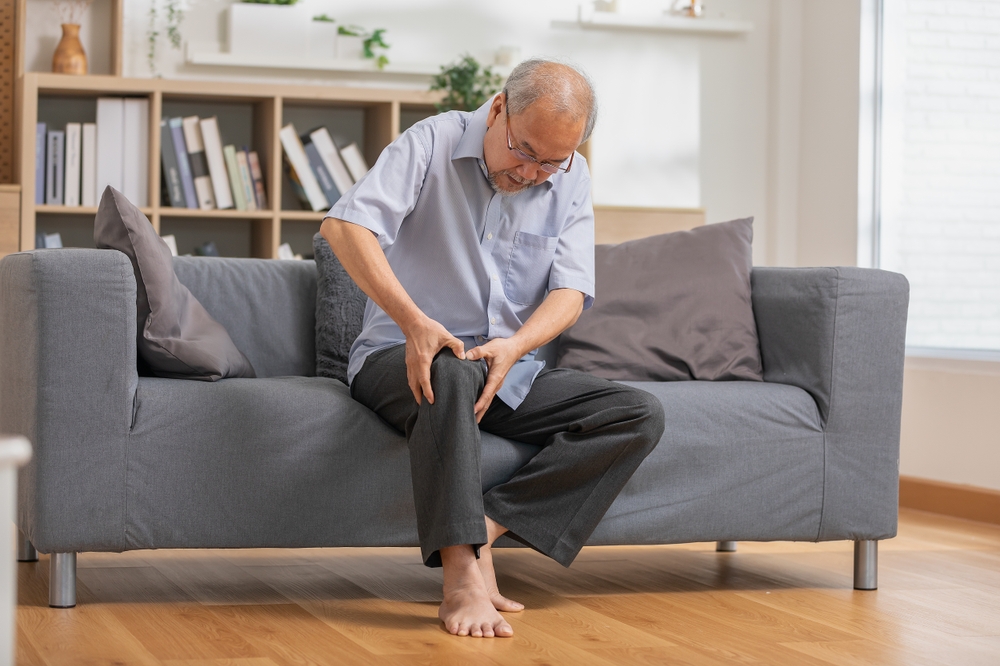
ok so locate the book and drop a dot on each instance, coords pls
(110, 149)
(135, 151)
(298, 162)
(199, 165)
(322, 175)
(293, 180)
(258, 179)
(183, 163)
(285, 252)
(239, 198)
(88, 165)
(246, 180)
(331, 158)
(216, 162)
(355, 161)
(171, 242)
(40, 143)
(54, 164)
(71, 184)
(49, 241)
(171, 170)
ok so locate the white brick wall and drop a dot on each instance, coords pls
(941, 167)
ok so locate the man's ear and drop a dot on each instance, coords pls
(496, 108)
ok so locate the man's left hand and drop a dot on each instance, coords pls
(500, 355)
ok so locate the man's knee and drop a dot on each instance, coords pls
(448, 372)
(649, 411)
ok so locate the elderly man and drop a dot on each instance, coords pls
(473, 236)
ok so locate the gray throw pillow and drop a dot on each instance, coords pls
(340, 311)
(176, 335)
(670, 307)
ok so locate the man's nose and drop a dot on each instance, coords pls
(528, 170)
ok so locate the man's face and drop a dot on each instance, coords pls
(539, 132)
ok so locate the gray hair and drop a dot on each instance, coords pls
(563, 86)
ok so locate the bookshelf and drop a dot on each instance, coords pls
(250, 114)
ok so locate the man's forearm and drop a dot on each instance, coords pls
(363, 259)
(560, 310)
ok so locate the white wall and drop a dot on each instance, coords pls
(951, 421)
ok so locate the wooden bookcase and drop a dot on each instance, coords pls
(375, 117)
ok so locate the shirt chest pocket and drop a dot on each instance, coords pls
(529, 266)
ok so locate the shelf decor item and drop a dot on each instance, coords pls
(174, 16)
(69, 56)
(275, 29)
(689, 8)
(323, 37)
(466, 84)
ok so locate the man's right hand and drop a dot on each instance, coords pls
(424, 339)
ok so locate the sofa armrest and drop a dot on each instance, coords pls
(67, 382)
(839, 333)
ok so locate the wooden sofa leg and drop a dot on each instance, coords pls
(62, 580)
(725, 546)
(25, 551)
(866, 565)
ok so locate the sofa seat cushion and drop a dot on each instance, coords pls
(738, 461)
(275, 462)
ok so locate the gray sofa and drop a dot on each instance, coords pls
(125, 462)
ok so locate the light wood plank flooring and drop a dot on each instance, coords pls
(782, 603)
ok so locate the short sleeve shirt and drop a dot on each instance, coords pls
(476, 261)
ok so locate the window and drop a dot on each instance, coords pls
(939, 199)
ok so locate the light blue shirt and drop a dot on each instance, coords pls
(475, 261)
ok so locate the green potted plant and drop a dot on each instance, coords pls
(467, 85)
(174, 15)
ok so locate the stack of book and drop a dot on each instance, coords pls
(73, 165)
(199, 172)
(318, 170)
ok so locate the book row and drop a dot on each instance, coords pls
(318, 170)
(75, 163)
(199, 172)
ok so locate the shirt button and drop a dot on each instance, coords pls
(493, 320)
(496, 277)
(489, 236)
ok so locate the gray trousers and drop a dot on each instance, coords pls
(594, 434)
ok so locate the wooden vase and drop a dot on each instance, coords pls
(69, 57)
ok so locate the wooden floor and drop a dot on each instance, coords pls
(938, 603)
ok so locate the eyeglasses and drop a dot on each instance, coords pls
(547, 167)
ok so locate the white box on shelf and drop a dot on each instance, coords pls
(322, 40)
(350, 47)
(278, 30)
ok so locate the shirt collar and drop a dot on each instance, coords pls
(471, 143)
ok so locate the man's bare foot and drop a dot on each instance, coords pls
(493, 532)
(467, 609)
(500, 602)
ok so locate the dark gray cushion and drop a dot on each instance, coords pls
(177, 337)
(340, 311)
(670, 307)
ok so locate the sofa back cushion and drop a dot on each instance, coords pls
(340, 312)
(267, 306)
(670, 307)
